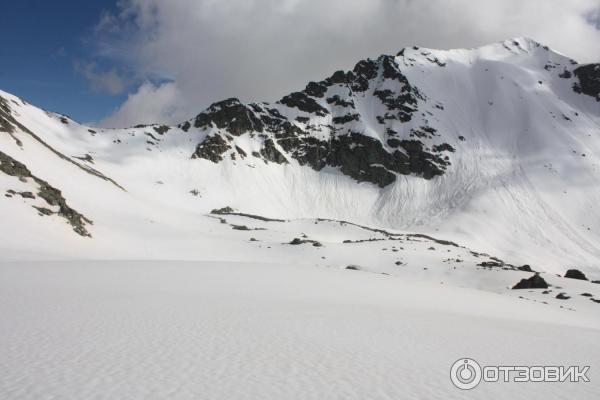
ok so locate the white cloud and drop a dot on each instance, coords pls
(101, 81)
(149, 104)
(259, 50)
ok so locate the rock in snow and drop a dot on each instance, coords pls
(535, 282)
(576, 274)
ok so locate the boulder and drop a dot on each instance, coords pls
(576, 274)
(535, 282)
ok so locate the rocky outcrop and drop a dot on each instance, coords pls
(230, 115)
(535, 282)
(588, 80)
(576, 274)
(303, 102)
(212, 148)
(329, 129)
(52, 196)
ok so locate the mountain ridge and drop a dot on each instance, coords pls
(491, 147)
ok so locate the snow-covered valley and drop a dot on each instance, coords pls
(189, 330)
(351, 240)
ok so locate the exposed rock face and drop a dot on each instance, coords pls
(212, 148)
(230, 115)
(5, 117)
(303, 102)
(589, 80)
(576, 274)
(271, 153)
(323, 125)
(535, 282)
(52, 196)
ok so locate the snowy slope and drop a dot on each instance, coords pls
(495, 148)
(351, 240)
(189, 330)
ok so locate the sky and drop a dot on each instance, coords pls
(118, 63)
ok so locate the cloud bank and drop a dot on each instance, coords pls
(186, 54)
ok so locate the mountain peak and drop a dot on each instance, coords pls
(416, 139)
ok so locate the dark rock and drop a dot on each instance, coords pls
(161, 129)
(424, 132)
(186, 126)
(270, 152)
(241, 152)
(363, 72)
(212, 149)
(315, 89)
(298, 241)
(222, 211)
(240, 227)
(443, 147)
(27, 195)
(566, 74)
(346, 118)
(361, 157)
(403, 105)
(490, 264)
(576, 274)
(589, 80)
(339, 78)
(393, 142)
(231, 115)
(534, 282)
(44, 210)
(391, 70)
(562, 296)
(87, 158)
(353, 268)
(338, 101)
(303, 102)
(525, 268)
(48, 193)
(586, 294)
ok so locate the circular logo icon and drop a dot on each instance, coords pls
(465, 373)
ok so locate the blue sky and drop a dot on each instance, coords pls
(118, 63)
(42, 40)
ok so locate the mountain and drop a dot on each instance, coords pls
(352, 240)
(495, 148)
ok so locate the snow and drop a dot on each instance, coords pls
(167, 300)
(188, 330)
(519, 186)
